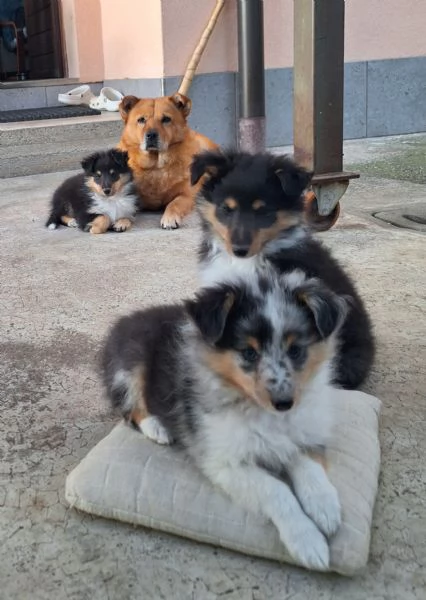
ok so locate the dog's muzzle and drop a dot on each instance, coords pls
(151, 140)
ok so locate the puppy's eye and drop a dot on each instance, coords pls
(249, 354)
(226, 209)
(111, 172)
(166, 119)
(98, 173)
(261, 211)
(141, 120)
(296, 352)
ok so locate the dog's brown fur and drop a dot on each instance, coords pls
(162, 174)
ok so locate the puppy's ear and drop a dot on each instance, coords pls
(327, 308)
(294, 179)
(182, 103)
(213, 163)
(126, 106)
(120, 158)
(88, 163)
(210, 310)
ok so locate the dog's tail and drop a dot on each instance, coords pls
(53, 221)
(56, 219)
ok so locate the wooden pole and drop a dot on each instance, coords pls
(198, 52)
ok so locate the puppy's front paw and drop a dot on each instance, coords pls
(306, 543)
(318, 496)
(170, 219)
(155, 431)
(100, 224)
(122, 225)
(72, 223)
(323, 506)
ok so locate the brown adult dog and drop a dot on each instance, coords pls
(161, 146)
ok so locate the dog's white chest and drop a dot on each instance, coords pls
(120, 206)
(224, 267)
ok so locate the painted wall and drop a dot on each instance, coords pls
(132, 38)
(111, 39)
(375, 29)
(107, 39)
(82, 34)
(378, 29)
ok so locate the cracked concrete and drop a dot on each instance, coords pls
(60, 291)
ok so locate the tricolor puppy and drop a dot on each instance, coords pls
(239, 379)
(102, 198)
(161, 146)
(251, 207)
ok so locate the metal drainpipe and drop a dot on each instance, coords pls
(251, 76)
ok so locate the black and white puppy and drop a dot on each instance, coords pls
(101, 198)
(252, 214)
(239, 379)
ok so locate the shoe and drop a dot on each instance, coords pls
(79, 95)
(108, 99)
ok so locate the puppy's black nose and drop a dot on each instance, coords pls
(283, 404)
(240, 251)
(107, 191)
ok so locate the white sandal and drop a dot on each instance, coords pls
(108, 99)
(79, 95)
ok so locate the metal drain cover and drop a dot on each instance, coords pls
(409, 217)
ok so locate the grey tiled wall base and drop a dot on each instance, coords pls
(355, 101)
(142, 88)
(37, 96)
(213, 105)
(396, 96)
(382, 97)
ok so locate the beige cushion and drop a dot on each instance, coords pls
(129, 478)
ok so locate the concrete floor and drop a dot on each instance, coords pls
(60, 291)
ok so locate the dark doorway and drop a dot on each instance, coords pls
(30, 40)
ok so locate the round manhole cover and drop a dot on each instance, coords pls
(413, 217)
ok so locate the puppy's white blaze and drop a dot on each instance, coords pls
(52, 226)
(120, 206)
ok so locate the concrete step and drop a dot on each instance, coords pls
(29, 148)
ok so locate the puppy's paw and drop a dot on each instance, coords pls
(52, 226)
(170, 219)
(306, 543)
(100, 224)
(122, 225)
(323, 506)
(155, 431)
(318, 496)
(72, 223)
(96, 230)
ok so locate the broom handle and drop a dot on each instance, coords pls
(198, 52)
